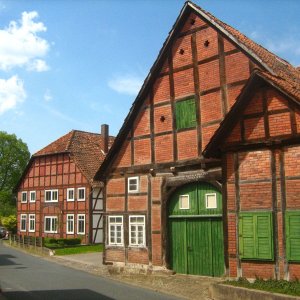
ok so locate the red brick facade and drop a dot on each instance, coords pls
(54, 172)
(203, 60)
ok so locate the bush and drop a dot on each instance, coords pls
(61, 242)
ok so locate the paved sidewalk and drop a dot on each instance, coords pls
(93, 259)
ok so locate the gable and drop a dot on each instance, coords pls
(204, 59)
(263, 114)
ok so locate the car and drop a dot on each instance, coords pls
(3, 232)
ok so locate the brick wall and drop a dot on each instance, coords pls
(55, 172)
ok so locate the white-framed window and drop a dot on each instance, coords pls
(32, 196)
(81, 224)
(184, 202)
(24, 197)
(81, 194)
(51, 195)
(70, 223)
(137, 231)
(211, 200)
(50, 225)
(133, 184)
(31, 223)
(115, 230)
(23, 222)
(70, 194)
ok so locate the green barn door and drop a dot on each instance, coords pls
(196, 240)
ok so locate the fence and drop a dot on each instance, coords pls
(28, 242)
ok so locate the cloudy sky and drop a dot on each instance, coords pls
(74, 64)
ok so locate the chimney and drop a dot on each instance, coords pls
(105, 137)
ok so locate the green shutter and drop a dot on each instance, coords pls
(264, 238)
(256, 236)
(185, 112)
(246, 234)
(292, 223)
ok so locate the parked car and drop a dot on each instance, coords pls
(3, 232)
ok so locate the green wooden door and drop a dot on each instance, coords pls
(196, 239)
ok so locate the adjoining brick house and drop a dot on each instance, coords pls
(203, 177)
(57, 196)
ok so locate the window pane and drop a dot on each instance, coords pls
(184, 202)
(48, 196)
(211, 201)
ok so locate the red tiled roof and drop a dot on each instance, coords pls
(280, 70)
(85, 147)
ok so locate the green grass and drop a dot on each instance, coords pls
(79, 249)
(270, 285)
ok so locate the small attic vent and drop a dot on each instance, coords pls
(193, 21)
(181, 51)
(206, 43)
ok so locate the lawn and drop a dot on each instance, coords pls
(79, 249)
(270, 285)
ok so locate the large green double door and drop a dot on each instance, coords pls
(196, 230)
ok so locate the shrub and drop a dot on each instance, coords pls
(61, 242)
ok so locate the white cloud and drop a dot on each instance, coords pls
(126, 84)
(288, 44)
(47, 96)
(20, 45)
(11, 93)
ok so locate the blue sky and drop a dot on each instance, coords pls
(70, 64)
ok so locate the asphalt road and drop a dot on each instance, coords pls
(23, 276)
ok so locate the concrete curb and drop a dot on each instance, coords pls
(220, 291)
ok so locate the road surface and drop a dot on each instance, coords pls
(23, 276)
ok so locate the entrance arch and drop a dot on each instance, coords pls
(195, 228)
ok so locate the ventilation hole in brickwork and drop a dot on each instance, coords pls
(181, 51)
(206, 43)
(162, 118)
(193, 21)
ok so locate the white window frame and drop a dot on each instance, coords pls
(51, 224)
(80, 189)
(80, 215)
(23, 217)
(180, 201)
(131, 223)
(67, 223)
(51, 193)
(32, 193)
(24, 201)
(115, 224)
(206, 200)
(68, 190)
(136, 190)
(31, 217)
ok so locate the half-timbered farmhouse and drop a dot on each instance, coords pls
(204, 175)
(57, 196)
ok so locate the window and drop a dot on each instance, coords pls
(211, 201)
(184, 202)
(81, 194)
(32, 196)
(70, 224)
(133, 184)
(137, 231)
(31, 223)
(115, 230)
(185, 112)
(81, 224)
(292, 226)
(51, 224)
(24, 197)
(51, 196)
(70, 194)
(256, 235)
(23, 222)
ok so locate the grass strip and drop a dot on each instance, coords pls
(79, 249)
(270, 285)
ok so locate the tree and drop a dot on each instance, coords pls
(14, 156)
(10, 223)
